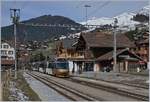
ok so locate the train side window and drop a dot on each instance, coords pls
(50, 65)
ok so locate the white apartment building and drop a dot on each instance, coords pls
(7, 52)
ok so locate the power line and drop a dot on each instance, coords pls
(51, 25)
(14, 4)
(98, 9)
(60, 25)
(24, 5)
(81, 2)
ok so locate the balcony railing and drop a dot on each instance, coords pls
(77, 55)
(143, 52)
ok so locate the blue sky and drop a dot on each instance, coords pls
(73, 9)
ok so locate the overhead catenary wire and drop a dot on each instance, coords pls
(24, 5)
(80, 3)
(99, 7)
(20, 4)
(60, 25)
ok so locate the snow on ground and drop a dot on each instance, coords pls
(145, 10)
(45, 93)
(99, 21)
(16, 94)
(124, 19)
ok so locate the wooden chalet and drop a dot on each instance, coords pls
(142, 47)
(6, 64)
(65, 49)
(7, 55)
(126, 61)
(97, 48)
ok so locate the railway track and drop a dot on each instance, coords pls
(79, 95)
(111, 89)
(71, 94)
(144, 86)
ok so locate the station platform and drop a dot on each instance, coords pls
(114, 77)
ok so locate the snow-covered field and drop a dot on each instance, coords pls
(124, 19)
(145, 10)
(16, 94)
(44, 92)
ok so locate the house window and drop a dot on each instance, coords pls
(10, 58)
(3, 52)
(10, 52)
(3, 57)
(5, 46)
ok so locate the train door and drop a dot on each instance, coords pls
(49, 68)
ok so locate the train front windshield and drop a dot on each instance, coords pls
(62, 65)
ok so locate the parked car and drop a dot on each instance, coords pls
(107, 69)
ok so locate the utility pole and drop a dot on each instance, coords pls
(115, 48)
(15, 15)
(149, 47)
(86, 6)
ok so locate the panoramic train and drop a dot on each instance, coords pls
(58, 68)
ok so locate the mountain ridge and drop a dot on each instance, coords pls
(124, 19)
(41, 32)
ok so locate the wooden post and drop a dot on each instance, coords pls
(126, 66)
(73, 70)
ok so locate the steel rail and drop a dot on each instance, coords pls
(145, 86)
(111, 89)
(74, 93)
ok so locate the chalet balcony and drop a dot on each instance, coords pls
(143, 52)
(7, 62)
(82, 56)
(77, 55)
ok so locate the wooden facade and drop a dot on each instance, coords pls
(98, 45)
(94, 52)
(126, 61)
(66, 50)
(142, 49)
